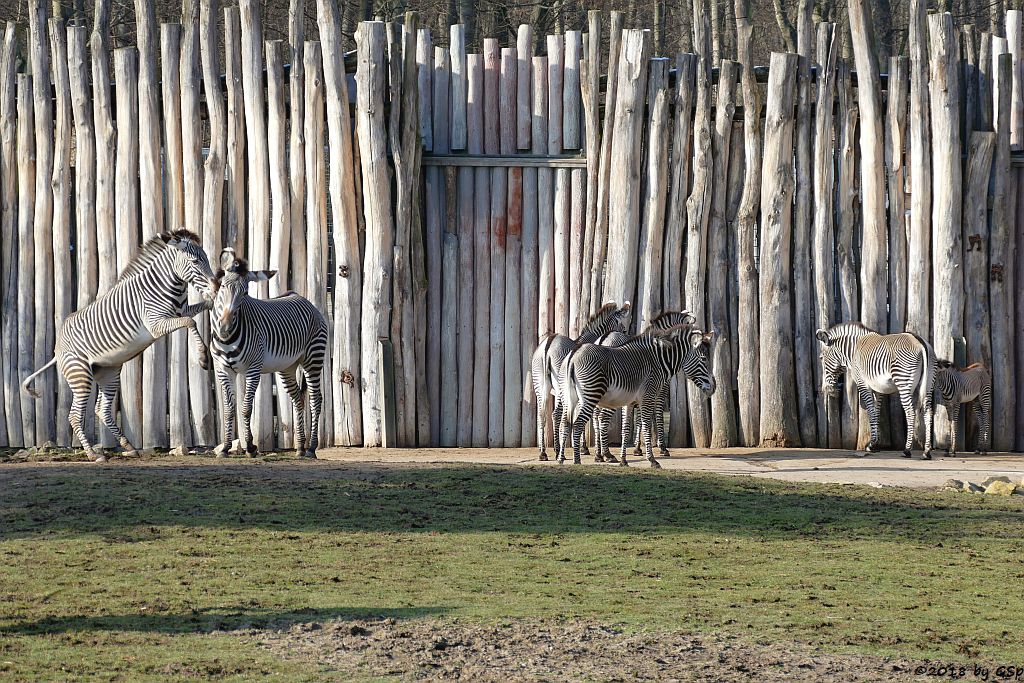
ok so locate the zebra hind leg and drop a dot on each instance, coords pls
(542, 405)
(647, 425)
(314, 371)
(870, 403)
(907, 400)
(603, 420)
(595, 423)
(953, 411)
(627, 424)
(579, 425)
(78, 375)
(559, 431)
(299, 408)
(109, 381)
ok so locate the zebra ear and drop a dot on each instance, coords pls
(625, 307)
(822, 336)
(166, 237)
(709, 336)
(227, 257)
(688, 318)
(696, 338)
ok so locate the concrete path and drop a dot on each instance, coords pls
(836, 466)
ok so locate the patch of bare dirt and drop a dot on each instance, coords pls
(425, 649)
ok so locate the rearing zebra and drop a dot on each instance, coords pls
(253, 337)
(546, 363)
(146, 302)
(636, 372)
(881, 364)
(954, 387)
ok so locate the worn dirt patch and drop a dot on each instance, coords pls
(560, 651)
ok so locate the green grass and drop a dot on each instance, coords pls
(137, 570)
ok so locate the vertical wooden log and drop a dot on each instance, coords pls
(457, 51)
(655, 173)
(572, 139)
(976, 240)
(60, 184)
(529, 283)
(379, 222)
(698, 212)
(737, 168)
(947, 256)
(466, 299)
(512, 420)
(895, 137)
(778, 390)
(26, 257)
(177, 356)
(45, 334)
(562, 206)
(524, 53)
(969, 104)
(126, 71)
(235, 231)
(846, 219)
(13, 430)
(983, 119)
(498, 226)
(748, 374)
(424, 57)
(919, 244)
(449, 371)
(603, 182)
(342, 373)
(624, 196)
(434, 202)
(1002, 257)
(675, 228)
(724, 432)
(106, 145)
(204, 414)
(297, 146)
(476, 102)
(590, 91)
(87, 260)
(1015, 39)
(571, 90)
(803, 308)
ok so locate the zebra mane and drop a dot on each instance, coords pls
(153, 248)
(600, 318)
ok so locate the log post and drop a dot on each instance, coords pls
(562, 205)
(895, 139)
(87, 259)
(106, 148)
(652, 236)
(424, 56)
(126, 71)
(983, 120)
(919, 244)
(63, 271)
(457, 82)
(235, 234)
(976, 240)
(675, 228)
(723, 406)
(475, 105)
(778, 391)
(437, 63)
(45, 334)
(25, 255)
(947, 256)
(498, 227)
(375, 320)
(449, 371)
(297, 148)
(529, 289)
(571, 139)
(846, 219)
(13, 431)
(571, 90)
(524, 53)
(1002, 257)
(512, 421)
(590, 92)
(823, 247)
(1015, 40)
(466, 284)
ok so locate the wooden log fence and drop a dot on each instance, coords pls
(457, 206)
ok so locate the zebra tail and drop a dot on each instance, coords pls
(528, 393)
(34, 393)
(570, 397)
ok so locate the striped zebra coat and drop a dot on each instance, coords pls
(954, 387)
(253, 337)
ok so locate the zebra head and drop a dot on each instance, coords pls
(232, 282)
(671, 319)
(834, 359)
(190, 262)
(609, 318)
(684, 347)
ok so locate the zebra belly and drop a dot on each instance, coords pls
(272, 363)
(124, 352)
(617, 397)
(881, 385)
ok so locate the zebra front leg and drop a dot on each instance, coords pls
(647, 426)
(164, 326)
(298, 406)
(109, 381)
(659, 423)
(929, 417)
(252, 382)
(227, 384)
(316, 405)
(627, 423)
(953, 411)
(870, 403)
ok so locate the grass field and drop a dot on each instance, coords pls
(142, 569)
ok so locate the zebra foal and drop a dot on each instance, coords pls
(636, 372)
(252, 337)
(146, 302)
(881, 364)
(953, 387)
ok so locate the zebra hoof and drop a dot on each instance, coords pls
(872, 448)
(623, 463)
(638, 452)
(307, 455)
(222, 450)
(664, 453)
(927, 455)
(906, 453)
(543, 457)
(130, 453)
(655, 464)
(98, 457)
(598, 458)
(585, 451)
(577, 461)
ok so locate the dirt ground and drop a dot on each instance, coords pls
(554, 651)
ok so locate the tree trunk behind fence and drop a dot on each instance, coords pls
(778, 426)
(947, 256)
(25, 256)
(1002, 259)
(9, 231)
(39, 58)
(895, 138)
(723, 405)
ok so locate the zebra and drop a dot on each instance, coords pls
(252, 337)
(636, 372)
(955, 386)
(146, 302)
(546, 363)
(602, 416)
(902, 363)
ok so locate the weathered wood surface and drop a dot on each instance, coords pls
(529, 281)
(524, 83)
(434, 204)
(571, 90)
(976, 240)
(13, 430)
(425, 66)
(571, 139)
(849, 295)
(947, 193)
(778, 425)
(296, 279)
(1015, 40)
(590, 91)
(919, 241)
(895, 151)
(106, 148)
(498, 226)
(150, 180)
(652, 239)
(457, 52)
(561, 184)
(26, 258)
(87, 257)
(509, 93)
(235, 230)
(476, 102)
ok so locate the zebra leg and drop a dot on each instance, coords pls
(627, 424)
(907, 400)
(227, 383)
(595, 424)
(298, 405)
(109, 381)
(579, 425)
(314, 377)
(603, 419)
(78, 375)
(164, 326)
(252, 382)
(984, 415)
(636, 423)
(559, 430)
(542, 405)
(929, 416)
(953, 410)
(659, 424)
(870, 403)
(647, 425)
